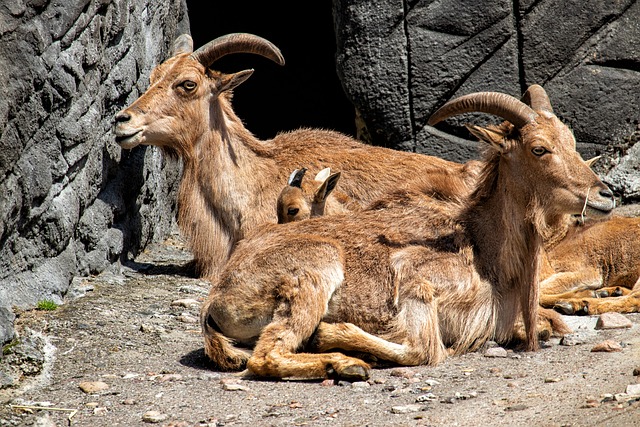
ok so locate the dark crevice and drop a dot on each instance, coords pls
(621, 64)
(412, 118)
(451, 92)
(522, 72)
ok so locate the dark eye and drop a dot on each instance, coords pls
(539, 151)
(189, 85)
(293, 211)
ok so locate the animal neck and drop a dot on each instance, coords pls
(222, 177)
(504, 224)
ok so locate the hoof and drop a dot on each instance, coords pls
(544, 335)
(602, 294)
(353, 373)
(618, 292)
(564, 308)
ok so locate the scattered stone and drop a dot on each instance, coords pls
(431, 382)
(636, 372)
(495, 352)
(360, 384)
(428, 397)
(234, 387)
(552, 380)
(102, 411)
(515, 408)
(187, 318)
(91, 387)
(153, 417)
(170, 377)
(185, 302)
(327, 383)
(613, 321)
(607, 346)
(129, 376)
(128, 402)
(576, 338)
(91, 405)
(407, 409)
(403, 373)
(633, 390)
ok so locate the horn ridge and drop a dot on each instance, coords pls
(237, 43)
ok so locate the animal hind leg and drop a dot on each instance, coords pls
(294, 321)
(421, 342)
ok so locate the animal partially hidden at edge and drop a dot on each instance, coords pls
(301, 199)
(231, 179)
(408, 284)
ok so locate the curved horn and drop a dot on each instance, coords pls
(237, 43)
(295, 179)
(499, 104)
(536, 97)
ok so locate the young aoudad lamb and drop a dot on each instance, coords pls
(412, 283)
(594, 268)
(302, 199)
(231, 179)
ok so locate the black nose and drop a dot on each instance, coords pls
(122, 117)
(606, 193)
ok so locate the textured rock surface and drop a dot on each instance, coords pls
(71, 203)
(399, 61)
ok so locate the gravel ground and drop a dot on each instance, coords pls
(126, 350)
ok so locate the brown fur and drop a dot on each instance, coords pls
(231, 179)
(407, 282)
(595, 268)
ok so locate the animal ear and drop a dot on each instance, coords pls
(592, 161)
(231, 81)
(323, 174)
(182, 44)
(326, 188)
(295, 179)
(490, 136)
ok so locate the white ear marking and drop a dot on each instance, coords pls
(323, 174)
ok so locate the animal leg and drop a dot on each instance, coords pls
(414, 339)
(629, 303)
(549, 324)
(568, 281)
(294, 321)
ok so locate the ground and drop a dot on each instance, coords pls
(135, 333)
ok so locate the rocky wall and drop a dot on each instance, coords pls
(71, 202)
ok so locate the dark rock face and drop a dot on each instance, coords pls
(399, 64)
(71, 202)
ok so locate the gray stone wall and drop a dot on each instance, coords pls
(71, 202)
(399, 61)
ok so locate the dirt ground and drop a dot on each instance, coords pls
(135, 334)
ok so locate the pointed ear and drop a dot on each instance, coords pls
(182, 44)
(295, 179)
(592, 161)
(490, 136)
(323, 174)
(231, 81)
(326, 188)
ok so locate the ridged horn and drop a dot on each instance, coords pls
(499, 104)
(237, 43)
(536, 97)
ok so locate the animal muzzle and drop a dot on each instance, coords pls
(599, 202)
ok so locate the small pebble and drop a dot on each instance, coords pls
(153, 417)
(607, 346)
(495, 352)
(406, 409)
(91, 387)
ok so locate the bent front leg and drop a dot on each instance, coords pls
(296, 318)
(629, 303)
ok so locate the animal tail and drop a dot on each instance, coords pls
(220, 349)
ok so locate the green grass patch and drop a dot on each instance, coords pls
(46, 305)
